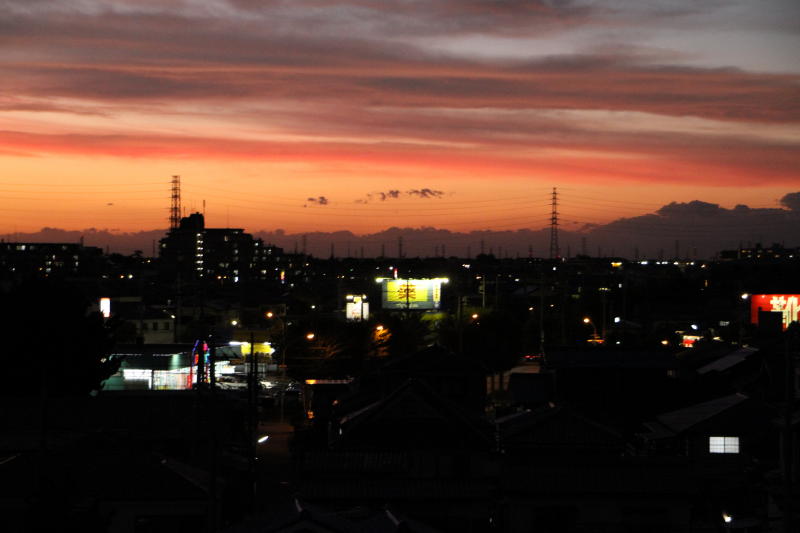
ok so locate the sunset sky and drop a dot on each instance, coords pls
(316, 115)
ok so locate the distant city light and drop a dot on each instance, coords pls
(310, 336)
(617, 320)
(745, 296)
(263, 439)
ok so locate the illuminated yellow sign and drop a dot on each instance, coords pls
(411, 293)
(403, 290)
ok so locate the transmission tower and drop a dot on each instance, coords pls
(554, 251)
(175, 206)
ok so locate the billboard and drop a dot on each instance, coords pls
(420, 294)
(786, 304)
(356, 307)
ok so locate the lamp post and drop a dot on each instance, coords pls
(595, 337)
(270, 316)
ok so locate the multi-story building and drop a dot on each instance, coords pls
(225, 255)
(48, 259)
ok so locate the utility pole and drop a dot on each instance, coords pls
(253, 419)
(177, 326)
(554, 251)
(212, 415)
(541, 313)
(787, 439)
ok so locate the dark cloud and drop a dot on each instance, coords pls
(425, 193)
(695, 207)
(169, 56)
(697, 229)
(319, 200)
(394, 194)
(791, 201)
(425, 17)
(383, 196)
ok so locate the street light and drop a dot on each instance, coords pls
(310, 336)
(595, 337)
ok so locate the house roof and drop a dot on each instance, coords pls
(311, 518)
(104, 469)
(530, 388)
(556, 427)
(683, 419)
(727, 361)
(433, 359)
(611, 358)
(412, 406)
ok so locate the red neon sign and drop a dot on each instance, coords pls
(786, 304)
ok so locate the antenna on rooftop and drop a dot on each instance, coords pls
(175, 206)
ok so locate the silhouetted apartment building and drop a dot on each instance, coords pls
(224, 255)
(48, 259)
(759, 252)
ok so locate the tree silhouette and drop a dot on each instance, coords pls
(51, 343)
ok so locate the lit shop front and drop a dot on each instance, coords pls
(170, 366)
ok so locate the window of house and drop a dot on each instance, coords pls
(166, 326)
(723, 444)
(155, 326)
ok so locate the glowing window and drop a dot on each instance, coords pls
(723, 444)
